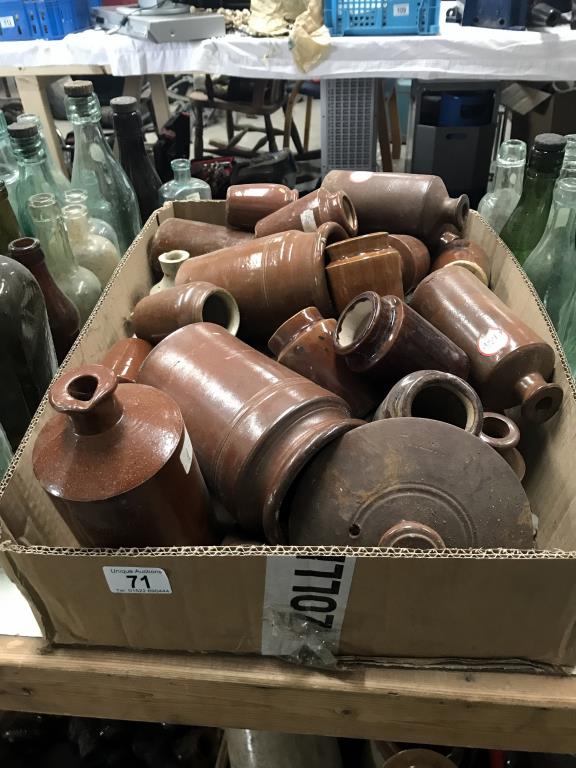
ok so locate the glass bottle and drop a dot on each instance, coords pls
(133, 156)
(552, 264)
(9, 228)
(92, 154)
(35, 172)
(80, 285)
(60, 178)
(5, 453)
(183, 186)
(94, 252)
(8, 161)
(497, 205)
(568, 170)
(96, 225)
(525, 227)
(570, 151)
(63, 316)
(27, 358)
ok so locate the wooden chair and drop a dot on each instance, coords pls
(309, 90)
(388, 124)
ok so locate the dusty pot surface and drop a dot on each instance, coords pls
(305, 344)
(271, 279)
(119, 466)
(502, 434)
(404, 203)
(463, 253)
(434, 395)
(415, 259)
(384, 336)
(246, 204)
(125, 359)
(510, 363)
(309, 212)
(417, 470)
(254, 423)
(156, 316)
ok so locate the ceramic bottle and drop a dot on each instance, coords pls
(158, 315)
(383, 336)
(309, 212)
(405, 203)
(332, 232)
(305, 344)
(183, 186)
(246, 204)
(253, 422)
(366, 263)
(94, 252)
(9, 227)
(510, 363)
(497, 205)
(502, 434)
(170, 263)
(96, 225)
(63, 317)
(415, 259)
(85, 459)
(454, 249)
(125, 358)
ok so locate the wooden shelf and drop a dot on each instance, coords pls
(524, 712)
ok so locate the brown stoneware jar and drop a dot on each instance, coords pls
(119, 466)
(271, 279)
(254, 423)
(156, 316)
(502, 434)
(367, 263)
(434, 395)
(410, 535)
(383, 336)
(418, 471)
(415, 259)
(463, 253)
(405, 203)
(196, 237)
(125, 358)
(305, 343)
(332, 232)
(246, 204)
(309, 212)
(510, 363)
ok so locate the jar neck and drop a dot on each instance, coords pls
(537, 184)
(77, 226)
(509, 176)
(54, 240)
(293, 328)
(364, 326)
(87, 396)
(182, 174)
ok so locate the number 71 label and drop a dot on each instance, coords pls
(125, 580)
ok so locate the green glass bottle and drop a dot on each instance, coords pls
(183, 186)
(8, 161)
(526, 225)
(61, 180)
(9, 228)
(497, 206)
(92, 154)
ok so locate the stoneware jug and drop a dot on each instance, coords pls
(309, 212)
(125, 358)
(332, 232)
(502, 434)
(246, 204)
(456, 250)
(170, 263)
(415, 259)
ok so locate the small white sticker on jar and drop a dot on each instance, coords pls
(492, 342)
(186, 453)
(308, 221)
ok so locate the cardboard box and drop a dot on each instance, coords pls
(506, 609)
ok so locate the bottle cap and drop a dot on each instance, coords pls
(23, 130)
(79, 88)
(124, 104)
(549, 142)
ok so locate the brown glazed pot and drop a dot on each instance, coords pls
(125, 359)
(385, 337)
(366, 263)
(156, 316)
(254, 423)
(409, 470)
(305, 343)
(434, 395)
(415, 259)
(510, 363)
(309, 212)
(463, 253)
(404, 203)
(118, 464)
(271, 279)
(410, 535)
(502, 434)
(332, 232)
(246, 204)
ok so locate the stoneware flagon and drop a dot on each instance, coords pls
(118, 464)
(383, 336)
(253, 422)
(510, 363)
(125, 358)
(246, 204)
(305, 343)
(271, 279)
(454, 249)
(332, 232)
(417, 470)
(502, 434)
(309, 212)
(415, 259)
(156, 316)
(170, 263)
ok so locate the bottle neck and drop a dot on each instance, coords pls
(8, 222)
(537, 184)
(508, 176)
(77, 227)
(182, 175)
(88, 397)
(56, 246)
(129, 133)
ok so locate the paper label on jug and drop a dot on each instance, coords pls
(305, 601)
(126, 580)
(7, 22)
(308, 221)
(186, 453)
(492, 342)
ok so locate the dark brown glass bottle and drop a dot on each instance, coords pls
(9, 227)
(63, 316)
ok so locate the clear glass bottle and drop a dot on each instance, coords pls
(8, 161)
(5, 453)
(497, 205)
(94, 252)
(568, 170)
(92, 154)
(183, 186)
(9, 228)
(570, 151)
(78, 283)
(97, 226)
(60, 178)
(526, 225)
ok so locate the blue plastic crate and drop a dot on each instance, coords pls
(382, 17)
(14, 21)
(53, 19)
